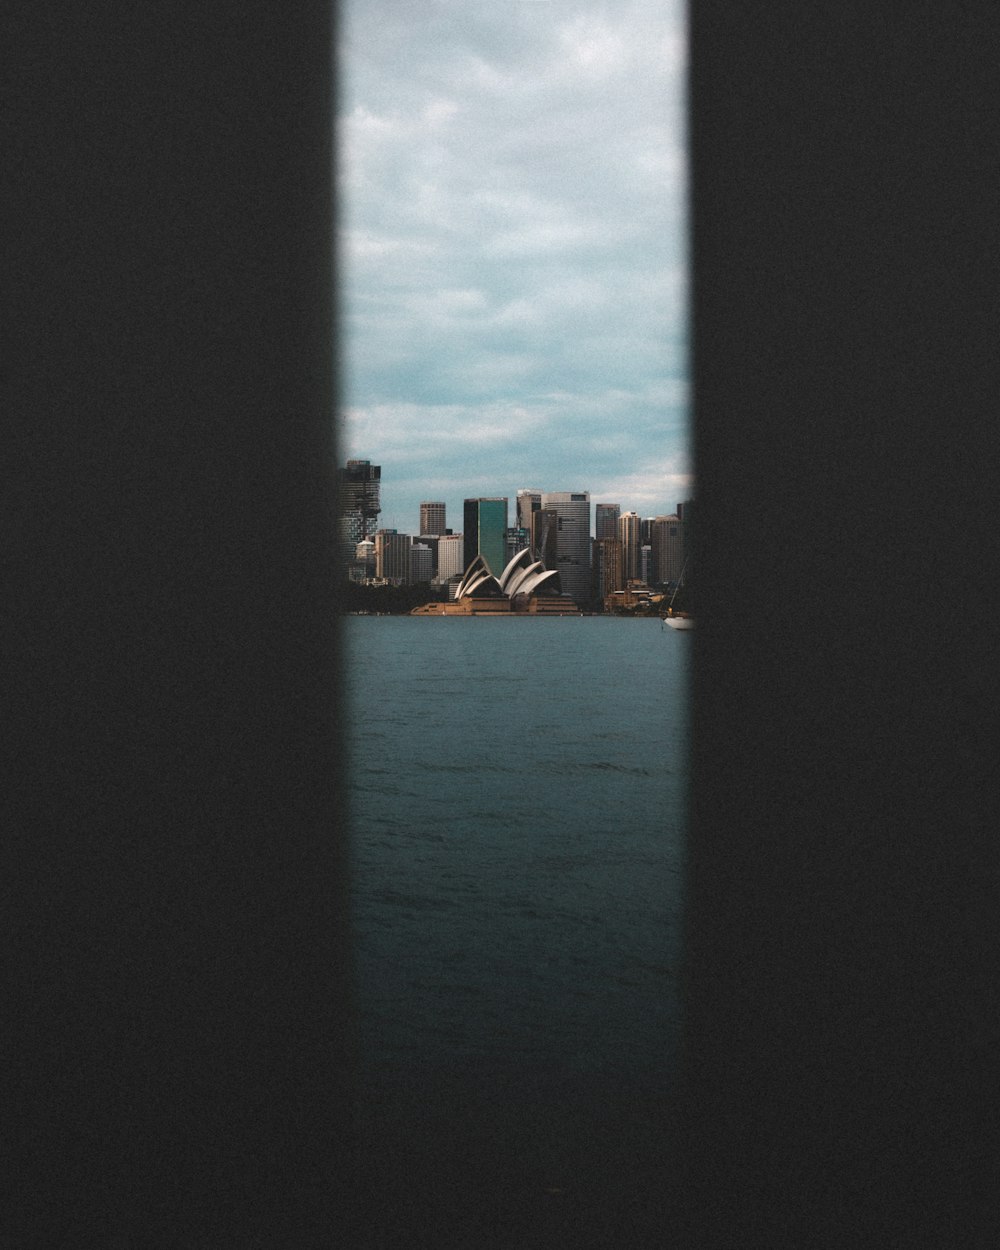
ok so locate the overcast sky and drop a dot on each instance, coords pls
(513, 250)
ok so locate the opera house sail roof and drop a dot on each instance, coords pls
(526, 580)
(522, 576)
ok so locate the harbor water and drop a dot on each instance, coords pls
(517, 810)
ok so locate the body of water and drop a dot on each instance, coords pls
(518, 792)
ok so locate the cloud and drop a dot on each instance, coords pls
(513, 245)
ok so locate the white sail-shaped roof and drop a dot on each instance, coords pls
(536, 581)
(472, 574)
(520, 577)
(516, 582)
(522, 559)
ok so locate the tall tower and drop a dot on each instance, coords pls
(606, 520)
(528, 502)
(667, 543)
(629, 533)
(358, 490)
(572, 509)
(544, 528)
(449, 557)
(392, 556)
(485, 532)
(609, 574)
(431, 518)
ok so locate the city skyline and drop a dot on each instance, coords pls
(391, 518)
(513, 253)
(589, 545)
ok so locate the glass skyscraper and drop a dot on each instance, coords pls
(572, 541)
(485, 532)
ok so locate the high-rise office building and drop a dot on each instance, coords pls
(528, 502)
(430, 541)
(572, 509)
(392, 556)
(485, 532)
(449, 557)
(609, 566)
(432, 518)
(606, 520)
(628, 532)
(358, 502)
(421, 563)
(542, 539)
(667, 549)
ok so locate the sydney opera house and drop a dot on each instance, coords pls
(525, 586)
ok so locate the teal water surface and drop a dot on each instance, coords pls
(517, 818)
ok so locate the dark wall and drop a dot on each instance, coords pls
(839, 987)
(174, 1014)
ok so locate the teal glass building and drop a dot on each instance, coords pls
(485, 532)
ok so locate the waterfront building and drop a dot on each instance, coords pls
(637, 599)
(524, 587)
(432, 518)
(628, 533)
(572, 509)
(392, 557)
(606, 520)
(485, 531)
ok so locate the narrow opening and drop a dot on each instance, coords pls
(513, 259)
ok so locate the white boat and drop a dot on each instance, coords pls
(678, 620)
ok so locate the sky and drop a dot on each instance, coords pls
(513, 250)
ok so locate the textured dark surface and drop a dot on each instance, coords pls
(173, 895)
(172, 997)
(840, 1003)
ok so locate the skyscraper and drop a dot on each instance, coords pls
(421, 563)
(431, 518)
(449, 557)
(528, 502)
(485, 532)
(609, 574)
(628, 532)
(358, 490)
(606, 520)
(667, 543)
(392, 556)
(544, 527)
(572, 509)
